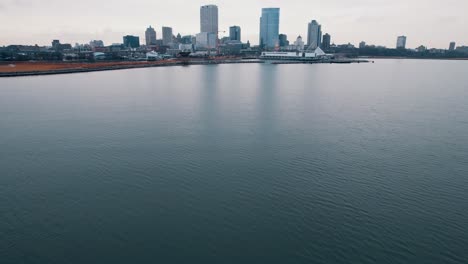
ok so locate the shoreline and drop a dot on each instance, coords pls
(54, 68)
(410, 58)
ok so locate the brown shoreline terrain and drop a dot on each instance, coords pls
(17, 67)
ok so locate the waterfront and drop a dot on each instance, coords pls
(362, 163)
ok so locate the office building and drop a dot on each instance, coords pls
(150, 36)
(452, 46)
(131, 41)
(283, 40)
(235, 33)
(206, 40)
(326, 42)
(167, 35)
(209, 19)
(269, 28)
(401, 42)
(314, 37)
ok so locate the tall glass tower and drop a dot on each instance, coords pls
(314, 38)
(269, 27)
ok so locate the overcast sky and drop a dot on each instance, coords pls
(433, 23)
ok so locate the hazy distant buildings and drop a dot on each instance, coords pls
(326, 42)
(167, 35)
(401, 42)
(362, 44)
(150, 36)
(131, 41)
(452, 46)
(269, 27)
(235, 33)
(55, 43)
(209, 19)
(96, 44)
(299, 43)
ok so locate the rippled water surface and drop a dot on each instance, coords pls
(362, 163)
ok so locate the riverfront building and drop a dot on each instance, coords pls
(326, 42)
(269, 28)
(235, 33)
(150, 36)
(401, 42)
(131, 41)
(314, 35)
(167, 36)
(452, 46)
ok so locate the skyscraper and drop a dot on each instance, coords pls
(452, 46)
(314, 37)
(150, 35)
(167, 35)
(209, 19)
(401, 42)
(269, 27)
(326, 42)
(235, 33)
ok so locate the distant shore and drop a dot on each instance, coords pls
(409, 58)
(18, 69)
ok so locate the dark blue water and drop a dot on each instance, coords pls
(364, 163)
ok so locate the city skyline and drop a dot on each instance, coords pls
(345, 21)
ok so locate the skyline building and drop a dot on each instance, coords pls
(235, 33)
(299, 43)
(209, 19)
(314, 35)
(167, 35)
(401, 42)
(206, 40)
(283, 40)
(326, 41)
(269, 28)
(452, 46)
(150, 36)
(131, 41)
(362, 44)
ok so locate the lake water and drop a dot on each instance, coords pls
(362, 163)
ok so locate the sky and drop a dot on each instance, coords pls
(432, 23)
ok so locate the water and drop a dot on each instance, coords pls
(364, 163)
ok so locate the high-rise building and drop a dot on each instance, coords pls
(269, 27)
(131, 41)
(314, 37)
(452, 46)
(235, 33)
(167, 35)
(150, 35)
(209, 19)
(401, 42)
(283, 40)
(326, 42)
